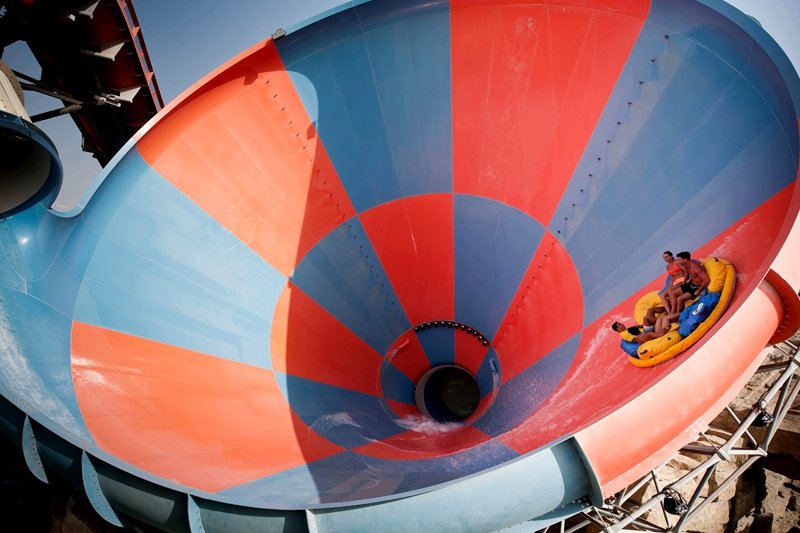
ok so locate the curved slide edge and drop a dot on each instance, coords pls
(484, 501)
(552, 482)
(791, 307)
(784, 276)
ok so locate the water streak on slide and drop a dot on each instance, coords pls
(226, 335)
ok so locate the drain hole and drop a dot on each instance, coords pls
(447, 394)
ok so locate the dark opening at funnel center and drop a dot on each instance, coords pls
(447, 394)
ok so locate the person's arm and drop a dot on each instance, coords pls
(704, 280)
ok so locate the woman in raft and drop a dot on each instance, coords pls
(677, 277)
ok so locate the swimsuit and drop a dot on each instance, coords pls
(689, 287)
(673, 270)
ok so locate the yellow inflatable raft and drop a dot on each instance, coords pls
(722, 279)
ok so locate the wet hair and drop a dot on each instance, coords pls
(615, 324)
(667, 252)
(685, 255)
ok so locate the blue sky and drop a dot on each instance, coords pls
(186, 40)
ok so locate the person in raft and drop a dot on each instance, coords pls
(652, 327)
(676, 278)
(696, 282)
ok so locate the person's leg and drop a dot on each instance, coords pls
(674, 294)
(665, 301)
(664, 323)
(681, 302)
(650, 317)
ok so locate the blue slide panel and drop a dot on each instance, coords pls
(342, 273)
(760, 54)
(439, 345)
(413, 84)
(518, 399)
(344, 417)
(46, 256)
(376, 81)
(59, 287)
(396, 385)
(151, 276)
(363, 478)
(8, 275)
(494, 245)
(32, 241)
(488, 372)
(684, 163)
(757, 58)
(35, 369)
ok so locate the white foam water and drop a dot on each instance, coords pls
(18, 377)
(326, 422)
(427, 425)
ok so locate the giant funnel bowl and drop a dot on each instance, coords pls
(228, 332)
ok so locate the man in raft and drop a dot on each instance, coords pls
(694, 286)
(652, 327)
